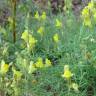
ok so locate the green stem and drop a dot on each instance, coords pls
(14, 19)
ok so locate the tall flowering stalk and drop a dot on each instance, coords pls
(13, 2)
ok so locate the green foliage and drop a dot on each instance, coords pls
(34, 65)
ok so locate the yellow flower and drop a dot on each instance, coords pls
(89, 14)
(4, 67)
(32, 41)
(56, 38)
(25, 35)
(67, 73)
(48, 63)
(37, 15)
(17, 74)
(85, 12)
(39, 63)
(58, 23)
(75, 87)
(29, 39)
(32, 67)
(86, 17)
(41, 30)
(87, 22)
(90, 5)
(43, 16)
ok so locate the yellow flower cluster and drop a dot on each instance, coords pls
(5, 68)
(40, 63)
(58, 24)
(32, 67)
(67, 75)
(29, 39)
(42, 17)
(89, 14)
